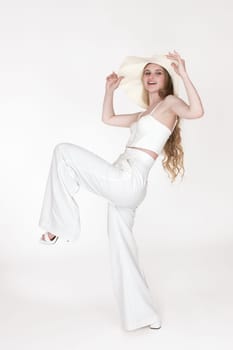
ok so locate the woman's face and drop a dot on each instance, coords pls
(153, 77)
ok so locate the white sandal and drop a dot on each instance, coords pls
(47, 240)
(156, 324)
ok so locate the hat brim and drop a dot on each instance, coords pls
(132, 68)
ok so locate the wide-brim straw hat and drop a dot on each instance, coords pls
(132, 68)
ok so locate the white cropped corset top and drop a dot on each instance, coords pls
(149, 133)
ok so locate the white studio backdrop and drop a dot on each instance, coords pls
(55, 56)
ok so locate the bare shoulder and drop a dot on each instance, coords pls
(181, 108)
(170, 100)
(167, 106)
(175, 105)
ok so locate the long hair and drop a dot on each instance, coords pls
(173, 161)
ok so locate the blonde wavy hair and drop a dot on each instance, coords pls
(173, 161)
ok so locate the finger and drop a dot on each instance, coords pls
(171, 55)
(175, 53)
(175, 57)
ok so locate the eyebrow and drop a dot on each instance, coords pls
(157, 69)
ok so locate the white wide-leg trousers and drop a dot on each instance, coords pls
(124, 184)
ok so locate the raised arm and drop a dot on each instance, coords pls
(108, 115)
(176, 104)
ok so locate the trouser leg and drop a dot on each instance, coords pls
(130, 286)
(73, 166)
(60, 212)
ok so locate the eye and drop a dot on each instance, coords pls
(148, 73)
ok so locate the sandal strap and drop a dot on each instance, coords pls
(47, 239)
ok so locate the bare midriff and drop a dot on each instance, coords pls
(151, 153)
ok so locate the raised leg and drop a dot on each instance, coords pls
(73, 166)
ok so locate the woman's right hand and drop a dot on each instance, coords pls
(113, 81)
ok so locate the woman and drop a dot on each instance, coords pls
(153, 84)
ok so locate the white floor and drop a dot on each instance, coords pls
(61, 297)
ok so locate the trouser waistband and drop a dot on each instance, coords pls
(141, 156)
(136, 158)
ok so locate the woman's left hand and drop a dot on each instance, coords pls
(179, 67)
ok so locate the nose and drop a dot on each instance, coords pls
(152, 76)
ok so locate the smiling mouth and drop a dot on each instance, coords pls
(151, 83)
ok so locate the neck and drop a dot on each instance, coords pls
(154, 99)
